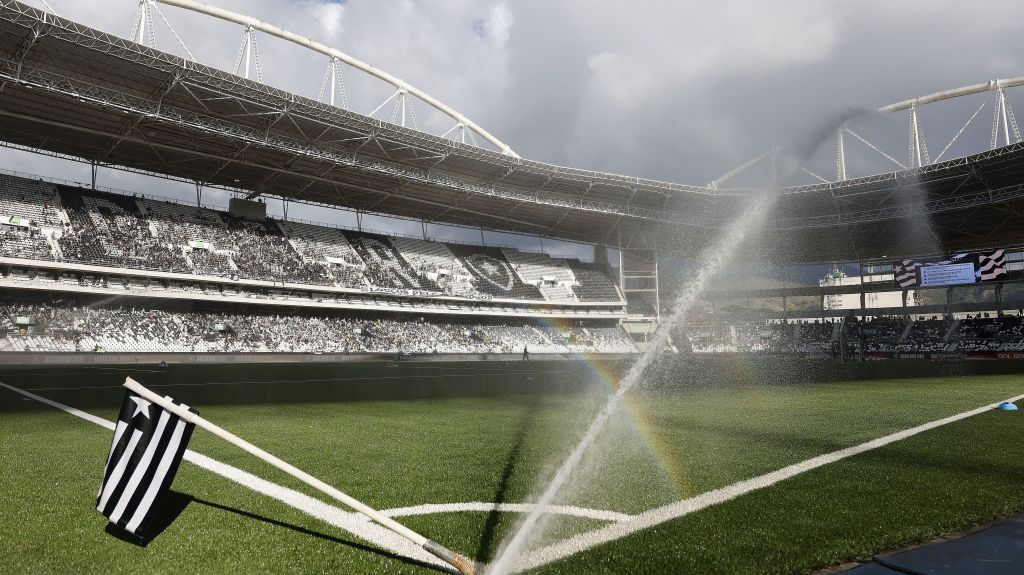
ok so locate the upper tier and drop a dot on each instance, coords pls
(42, 221)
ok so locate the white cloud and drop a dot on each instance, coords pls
(498, 24)
(330, 16)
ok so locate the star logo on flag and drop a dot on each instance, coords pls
(141, 406)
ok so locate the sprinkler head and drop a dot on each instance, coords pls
(460, 562)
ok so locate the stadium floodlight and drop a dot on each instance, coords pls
(463, 564)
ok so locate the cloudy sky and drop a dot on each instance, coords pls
(674, 90)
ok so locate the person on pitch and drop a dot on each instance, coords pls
(526, 354)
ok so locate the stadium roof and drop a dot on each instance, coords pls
(73, 91)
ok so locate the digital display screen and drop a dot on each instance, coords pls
(947, 274)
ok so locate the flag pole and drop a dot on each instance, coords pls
(461, 563)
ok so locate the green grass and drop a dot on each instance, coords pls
(437, 433)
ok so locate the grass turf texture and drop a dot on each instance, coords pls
(439, 433)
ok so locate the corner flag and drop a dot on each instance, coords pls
(149, 442)
(147, 454)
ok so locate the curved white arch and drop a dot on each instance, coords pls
(954, 93)
(310, 44)
(990, 86)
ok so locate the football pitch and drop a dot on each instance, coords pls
(456, 451)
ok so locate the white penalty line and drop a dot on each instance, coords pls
(571, 510)
(587, 540)
(354, 523)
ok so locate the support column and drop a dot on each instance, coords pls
(840, 155)
(657, 285)
(863, 295)
(199, 194)
(999, 300)
(142, 21)
(93, 168)
(782, 273)
(359, 221)
(638, 271)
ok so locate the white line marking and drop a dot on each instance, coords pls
(352, 522)
(76, 412)
(293, 381)
(135, 369)
(622, 525)
(431, 508)
(583, 541)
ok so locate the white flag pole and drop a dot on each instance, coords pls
(463, 564)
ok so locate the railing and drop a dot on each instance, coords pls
(118, 191)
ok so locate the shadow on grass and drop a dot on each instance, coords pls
(261, 384)
(175, 503)
(172, 505)
(317, 534)
(488, 536)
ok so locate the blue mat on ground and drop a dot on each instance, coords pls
(996, 549)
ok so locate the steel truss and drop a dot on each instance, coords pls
(260, 99)
(182, 112)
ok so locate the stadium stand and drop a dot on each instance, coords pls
(536, 268)
(32, 200)
(594, 283)
(148, 249)
(553, 278)
(26, 210)
(760, 336)
(27, 243)
(108, 229)
(988, 334)
(127, 232)
(436, 261)
(815, 336)
(879, 335)
(320, 245)
(66, 325)
(925, 335)
(320, 242)
(882, 333)
(386, 269)
(261, 252)
(493, 274)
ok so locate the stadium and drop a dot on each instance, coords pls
(809, 364)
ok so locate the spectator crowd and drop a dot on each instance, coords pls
(878, 335)
(68, 326)
(137, 233)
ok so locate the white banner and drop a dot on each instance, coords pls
(948, 274)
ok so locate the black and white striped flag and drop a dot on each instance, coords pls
(905, 273)
(992, 265)
(148, 445)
